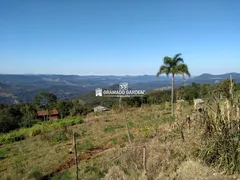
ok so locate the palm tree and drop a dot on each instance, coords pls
(173, 66)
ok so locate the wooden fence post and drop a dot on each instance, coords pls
(144, 163)
(75, 154)
(144, 159)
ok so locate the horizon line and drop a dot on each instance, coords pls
(37, 74)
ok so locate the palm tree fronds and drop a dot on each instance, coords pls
(183, 69)
(167, 61)
(177, 59)
(163, 70)
(177, 55)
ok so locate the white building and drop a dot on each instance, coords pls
(100, 108)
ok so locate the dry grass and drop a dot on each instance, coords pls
(221, 133)
(195, 170)
(150, 126)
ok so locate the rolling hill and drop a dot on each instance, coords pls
(22, 88)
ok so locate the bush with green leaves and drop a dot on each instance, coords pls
(37, 129)
(10, 118)
(3, 153)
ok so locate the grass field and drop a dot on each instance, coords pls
(104, 149)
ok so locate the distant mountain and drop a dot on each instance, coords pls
(213, 79)
(22, 88)
(206, 76)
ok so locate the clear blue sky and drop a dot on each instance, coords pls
(118, 36)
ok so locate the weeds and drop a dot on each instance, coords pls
(112, 128)
(18, 168)
(95, 172)
(3, 153)
(146, 132)
(87, 145)
(114, 141)
(35, 173)
(125, 137)
(65, 175)
(221, 137)
(60, 137)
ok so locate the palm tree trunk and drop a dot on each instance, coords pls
(172, 95)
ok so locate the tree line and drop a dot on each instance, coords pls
(24, 115)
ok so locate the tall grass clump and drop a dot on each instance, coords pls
(221, 134)
(112, 128)
(36, 129)
(35, 173)
(65, 175)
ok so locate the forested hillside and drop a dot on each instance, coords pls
(22, 88)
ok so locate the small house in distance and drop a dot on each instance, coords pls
(47, 115)
(100, 108)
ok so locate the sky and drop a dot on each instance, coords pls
(118, 37)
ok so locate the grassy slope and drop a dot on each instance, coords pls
(104, 151)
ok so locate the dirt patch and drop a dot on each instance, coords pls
(71, 161)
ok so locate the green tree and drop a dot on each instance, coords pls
(64, 107)
(134, 101)
(80, 109)
(28, 112)
(10, 118)
(158, 97)
(189, 93)
(45, 100)
(173, 66)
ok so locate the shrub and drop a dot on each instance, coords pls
(35, 173)
(86, 146)
(3, 153)
(60, 136)
(79, 121)
(114, 140)
(37, 129)
(12, 137)
(125, 137)
(65, 175)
